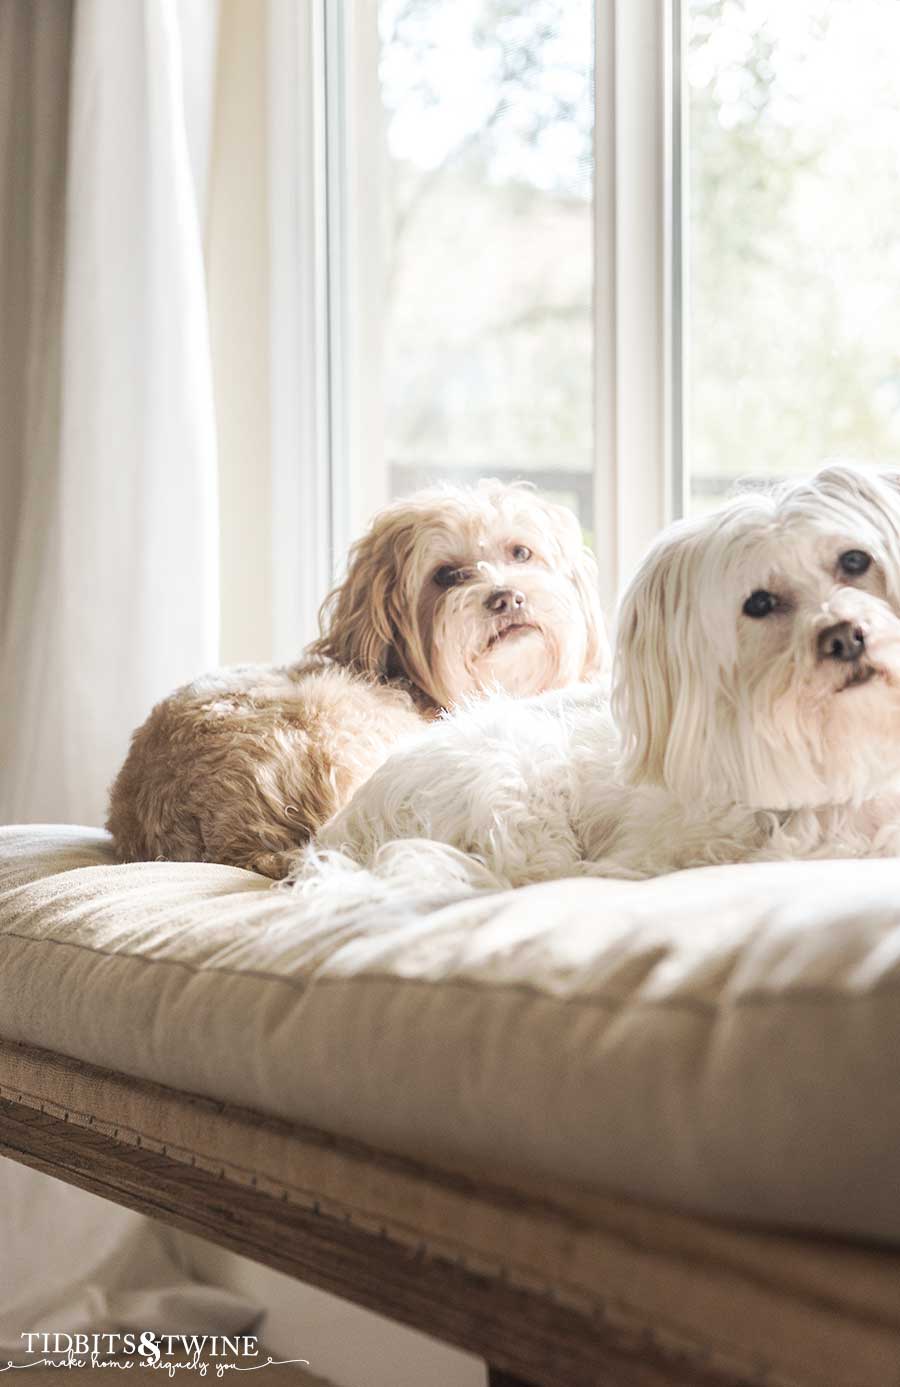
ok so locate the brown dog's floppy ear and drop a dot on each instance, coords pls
(368, 623)
(356, 621)
(587, 584)
(584, 574)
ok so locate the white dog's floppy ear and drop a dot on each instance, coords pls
(643, 700)
(662, 692)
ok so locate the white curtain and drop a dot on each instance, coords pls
(108, 524)
(76, 1264)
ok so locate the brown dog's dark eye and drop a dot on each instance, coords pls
(521, 554)
(760, 603)
(446, 577)
(854, 562)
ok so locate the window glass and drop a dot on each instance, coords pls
(793, 326)
(488, 117)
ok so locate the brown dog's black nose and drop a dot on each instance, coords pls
(504, 600)
(843, 641)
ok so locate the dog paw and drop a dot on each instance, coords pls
(276, 865)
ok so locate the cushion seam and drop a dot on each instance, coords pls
(521, 988)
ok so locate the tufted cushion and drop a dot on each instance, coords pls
(725, 1040)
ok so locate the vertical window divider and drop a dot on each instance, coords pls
(334, 67)
(607, 478)
(676, 202)
(355, 245)
(637, 380)
(326, 267)
(300, 334)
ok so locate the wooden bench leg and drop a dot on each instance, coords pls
(496, 1378)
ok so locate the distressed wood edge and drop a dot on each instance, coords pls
(518, 1333)
(476, 1217)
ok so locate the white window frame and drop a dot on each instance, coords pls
(639, 277)
(327, 237)
(299, 314)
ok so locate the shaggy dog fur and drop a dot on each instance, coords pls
(450, 593)
(755, 715)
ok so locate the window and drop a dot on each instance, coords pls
(488, 320)
(636, 250)
(794, 235)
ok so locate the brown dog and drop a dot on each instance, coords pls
(450, 593)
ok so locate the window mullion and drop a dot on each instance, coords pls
(302, 539)
(355, 196)
(634, 398)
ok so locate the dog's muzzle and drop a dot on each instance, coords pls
(843, 642)
(504, 601)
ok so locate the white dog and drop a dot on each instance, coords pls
(755, 715)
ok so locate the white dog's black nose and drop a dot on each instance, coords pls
(843, 641)
(504, 600)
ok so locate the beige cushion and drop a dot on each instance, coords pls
(724, 1040)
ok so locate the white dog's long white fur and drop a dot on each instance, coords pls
(755, 714)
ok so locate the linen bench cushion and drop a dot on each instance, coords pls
(723, 1041)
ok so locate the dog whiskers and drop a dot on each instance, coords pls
(858, 677)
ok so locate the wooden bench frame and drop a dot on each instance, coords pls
(550, 1287)
(522, 1335)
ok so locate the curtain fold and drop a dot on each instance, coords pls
(75, 1264)
(108, 520)
(109, 578)
(35, 62)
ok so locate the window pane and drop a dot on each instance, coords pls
(488, 336)
(794, 235)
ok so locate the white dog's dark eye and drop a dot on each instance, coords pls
(446, 577)
(521, 554)
(760, 603)
(854, 561)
